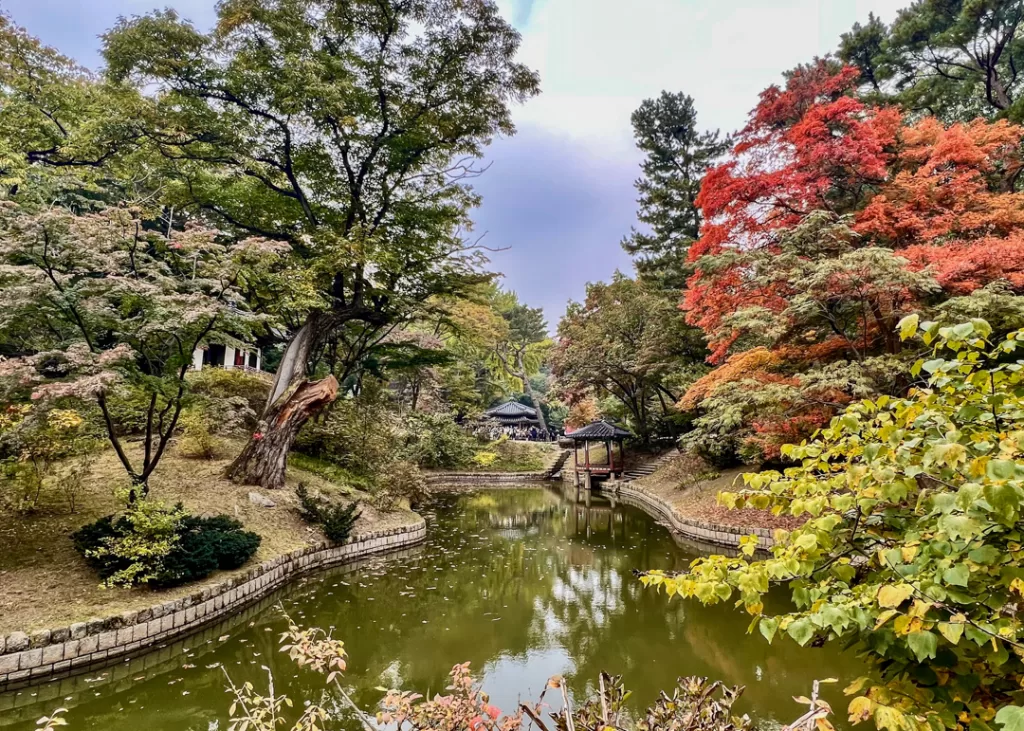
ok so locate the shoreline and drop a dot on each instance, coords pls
(27, 659)
(715, 534)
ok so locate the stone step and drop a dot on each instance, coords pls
(645, 470)
(556, 465)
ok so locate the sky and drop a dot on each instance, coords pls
(558, 197)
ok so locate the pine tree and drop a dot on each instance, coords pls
(677, 154)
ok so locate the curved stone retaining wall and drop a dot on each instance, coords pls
(697, 530)
(20, 708)
(28, 658)
(442, 478)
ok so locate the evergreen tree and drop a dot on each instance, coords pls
(677, 154)
(956, 60)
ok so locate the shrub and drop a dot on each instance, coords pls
(435, 441)
(910, 550)
(205, 545)
(161, 546)
(358, 434)
(52, 448)
(230, 399)
(398, 480)
(336, 520)
(196, 440)
(513, 456)
(484, 458)
(69, 476)
(130, 550)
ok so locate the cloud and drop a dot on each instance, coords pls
(598, 59)
(560, 207)
(560, 193)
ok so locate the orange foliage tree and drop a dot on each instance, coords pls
(830, 221)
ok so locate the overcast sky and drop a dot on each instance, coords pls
(559, 195)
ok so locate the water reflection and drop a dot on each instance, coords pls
(524, 583)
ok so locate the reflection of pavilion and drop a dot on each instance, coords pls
(598, 451)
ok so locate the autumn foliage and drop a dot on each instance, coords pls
(905, 186)
(830, 220)
(750, 364)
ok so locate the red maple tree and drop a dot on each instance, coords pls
(811, 146)
(942, 197)
(830, 220)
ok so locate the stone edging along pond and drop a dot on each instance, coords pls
(29, 658)
(699, 530)
(447, 478)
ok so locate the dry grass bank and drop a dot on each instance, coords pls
(44, 583)
(700, 501)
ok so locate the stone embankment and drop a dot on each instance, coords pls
(26, 658)
(697, 530)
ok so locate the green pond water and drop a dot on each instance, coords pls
(523, 583)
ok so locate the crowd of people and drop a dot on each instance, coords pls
(521, 433)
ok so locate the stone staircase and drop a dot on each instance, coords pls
(553, 471)
(649, 468)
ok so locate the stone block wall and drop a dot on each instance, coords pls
(483, 478)
(28, 657)
(697, 530)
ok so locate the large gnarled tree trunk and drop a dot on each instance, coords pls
(265, 457)
(528, 390)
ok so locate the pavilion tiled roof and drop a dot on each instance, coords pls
(598, 430)
(512, 409)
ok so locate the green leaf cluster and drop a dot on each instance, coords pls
(912, 547)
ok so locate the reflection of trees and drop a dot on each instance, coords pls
(506, 574)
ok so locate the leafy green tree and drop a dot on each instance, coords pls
(348, 127)
(954, 59)
(676, 156)
(54, 113)
(628, 340)
(119, 306)
(522, 345)
(912, 547)
(862, 46)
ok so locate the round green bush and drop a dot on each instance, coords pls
(203, 545)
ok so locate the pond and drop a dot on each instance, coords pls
(524, 583)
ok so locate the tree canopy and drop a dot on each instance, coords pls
(951, 59)
(349, 129)
(911, 549)
(96, 302)
(829, 221)
(677, 155)
(628, 340)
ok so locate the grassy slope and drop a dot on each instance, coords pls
(701, 502)
(520, 457)
(44, 583)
